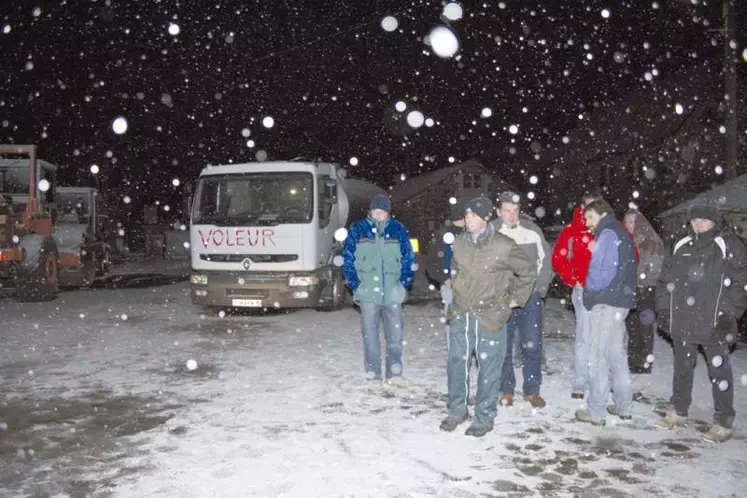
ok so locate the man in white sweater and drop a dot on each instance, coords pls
(529, 319)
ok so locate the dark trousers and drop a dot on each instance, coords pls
(641, 323)
(719, 371)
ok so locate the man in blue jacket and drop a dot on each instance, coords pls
(378, 266)
(609, 295)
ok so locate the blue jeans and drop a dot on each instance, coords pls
(528, 320)
(608, 361)
(466, 337)
(581, 343)
(371, 315)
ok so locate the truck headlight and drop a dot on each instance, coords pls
(198, 279)
(302, 281)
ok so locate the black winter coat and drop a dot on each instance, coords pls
(701, 291)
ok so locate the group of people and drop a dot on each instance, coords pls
(496, 274)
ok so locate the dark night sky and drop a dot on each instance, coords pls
(327, 73)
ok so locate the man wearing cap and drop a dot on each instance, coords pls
(490, 276)
(529, 319)
(378, 264)
(700, 296)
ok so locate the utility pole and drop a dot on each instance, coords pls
(730, 90)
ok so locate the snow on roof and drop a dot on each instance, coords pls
(6, 163)
(361, 189)
(731, 196)
(262, 167)
(417, 184)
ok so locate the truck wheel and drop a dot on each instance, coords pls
(338, 296)
(36, 277)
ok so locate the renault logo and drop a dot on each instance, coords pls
(246, 263)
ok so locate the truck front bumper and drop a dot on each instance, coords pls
(253, 290)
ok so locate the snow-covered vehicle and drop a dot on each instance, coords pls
(262, 235)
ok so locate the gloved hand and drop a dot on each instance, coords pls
(447, 295)
(725, 328)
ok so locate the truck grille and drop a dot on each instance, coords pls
(254, 258)
(248, 293)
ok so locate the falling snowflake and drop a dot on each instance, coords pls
(443, 42)
(191, 365)
(389, 23)
(449, 238)
(119, 125)
(453, 11)
(415, 119)
(341, 234)
(268, 122)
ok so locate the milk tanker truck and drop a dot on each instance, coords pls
(265, 235)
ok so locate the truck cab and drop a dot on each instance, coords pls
(262, 235)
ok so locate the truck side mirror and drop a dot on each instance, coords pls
(330, 188)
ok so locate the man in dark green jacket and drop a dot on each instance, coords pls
(491, 275)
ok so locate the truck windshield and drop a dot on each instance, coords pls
(254, 198)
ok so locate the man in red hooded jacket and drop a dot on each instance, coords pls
(570, 260)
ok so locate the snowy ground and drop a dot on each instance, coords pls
(99, 400)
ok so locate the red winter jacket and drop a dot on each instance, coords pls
(571, 255)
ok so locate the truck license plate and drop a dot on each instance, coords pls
(247, 303)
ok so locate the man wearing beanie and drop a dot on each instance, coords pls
(700, 296)
(490, 275)
(378, 264)
(529, 320)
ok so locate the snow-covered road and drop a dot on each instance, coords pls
(134, 392)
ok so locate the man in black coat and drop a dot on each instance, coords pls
(700, 295)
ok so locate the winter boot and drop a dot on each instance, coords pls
(536, 400)
(506, 399)
(612, 410)
(717, 434)
(671, 420)
(397, 382)
(450, 423)
(478, 430)
(585, 416)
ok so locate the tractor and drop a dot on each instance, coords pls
(50, 236)
(29, 257)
